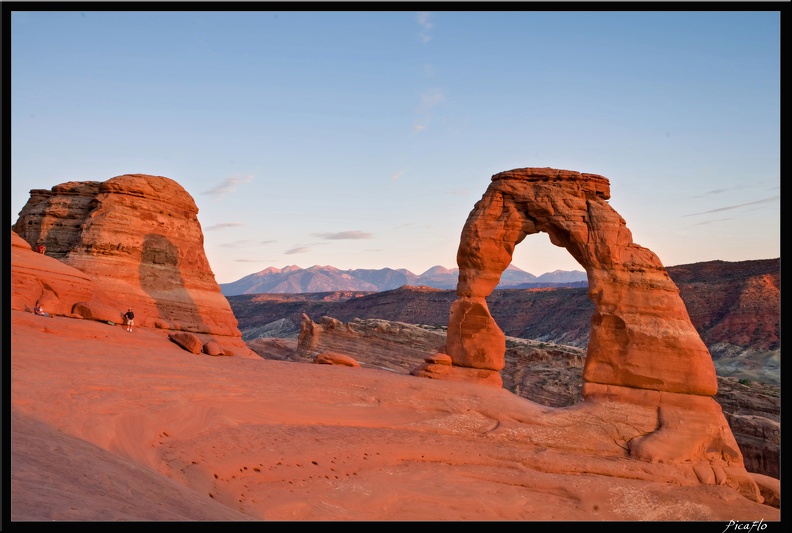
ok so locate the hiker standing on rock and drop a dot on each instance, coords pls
(129, 319)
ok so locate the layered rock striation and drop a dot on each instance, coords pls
(389, 345)
(546, 373)
(139, 238)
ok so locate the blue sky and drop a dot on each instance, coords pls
(363, 139)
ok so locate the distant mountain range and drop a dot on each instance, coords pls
(293, 279)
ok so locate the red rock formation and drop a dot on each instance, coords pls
(735, 306)
(643, 350)
(641, 335)
(372, 342)
(36, 277)
(330, 358)
(188, 341)
(212, 348)
(140, 238)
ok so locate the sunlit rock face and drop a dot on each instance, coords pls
(644, 355)
(139, 237)
(641, 334)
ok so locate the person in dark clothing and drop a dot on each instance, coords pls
(129, 319)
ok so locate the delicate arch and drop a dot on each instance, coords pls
(641, 334)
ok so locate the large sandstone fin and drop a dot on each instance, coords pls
(139, 239)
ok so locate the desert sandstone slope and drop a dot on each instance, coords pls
(108, 425)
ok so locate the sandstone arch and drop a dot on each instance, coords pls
(647, 371)
(641, 334)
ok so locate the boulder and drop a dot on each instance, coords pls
(443, 370)
(330, 358)
(439, 359)
(188, 341)
(212, 348)
(96, 310)
(770, 487)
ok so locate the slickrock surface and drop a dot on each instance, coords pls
(111, 426)
(545, 373)
(140, 237)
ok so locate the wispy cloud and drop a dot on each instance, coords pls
(712, 221)
(248, 261)
(428, 101)
(298, 250)
(738, 206)
(247, 243)
(341, 235)
(751, 185)
(237, 244)
(224, 225)
(397, 175)
(229, 185)
(426, 25)
(405, 225)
